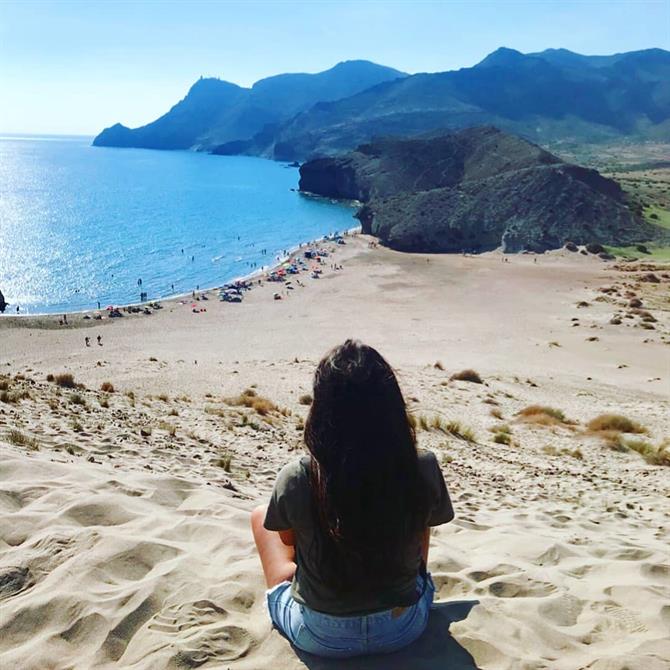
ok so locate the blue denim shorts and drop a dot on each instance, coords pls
(341, 637)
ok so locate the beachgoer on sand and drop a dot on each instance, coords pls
(99, 338)
(344, 540)
(87, 341)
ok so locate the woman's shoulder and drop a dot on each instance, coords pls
(427, 459)
(295, 474)
(428, 465)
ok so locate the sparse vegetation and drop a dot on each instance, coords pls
(19, 439)
(107, 387)
(541, 415)
(50, 377)
(502, 438)
(437, 423)
(616, 423)
(305, 399)
(467, 376)
(224, 462)
(250, 399)
(215, 411)
(65, 380)
(457, 429)
(496, 413)
(104, 403)
(77, 427)
(77, 399)
(169, 428)
(438, 365)
(652, 454)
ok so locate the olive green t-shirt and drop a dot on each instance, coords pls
(291, 508)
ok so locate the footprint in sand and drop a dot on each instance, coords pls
(449, 586)
(656, 570)
(617, 621)
(562, 610)
(521, 587)
(631, 554)
(496, 571)
(201, 633)
(13, 580)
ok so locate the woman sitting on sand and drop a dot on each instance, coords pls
(344, 540)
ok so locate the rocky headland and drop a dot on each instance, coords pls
(475, 190)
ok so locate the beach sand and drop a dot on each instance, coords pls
(124, 515)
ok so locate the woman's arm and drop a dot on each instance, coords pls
(287, 537)
(425, 544)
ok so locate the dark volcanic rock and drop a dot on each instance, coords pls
(474, 190)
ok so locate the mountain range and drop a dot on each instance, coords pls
(547, 96)
(216, 111)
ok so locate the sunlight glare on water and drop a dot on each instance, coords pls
(81, 224)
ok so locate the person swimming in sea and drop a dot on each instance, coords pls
(344, 539)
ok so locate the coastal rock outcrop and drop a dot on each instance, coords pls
(475, 190)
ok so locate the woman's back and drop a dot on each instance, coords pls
(291, 507)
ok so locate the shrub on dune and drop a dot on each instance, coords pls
(65, 380)
(542, 415)
(17, 438)
(249, 398)
(616, 423)
(502, 438)
(652, 454)
(457, 429)
(107, 387)
(467, 376)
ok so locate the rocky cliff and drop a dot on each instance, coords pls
(475, 190)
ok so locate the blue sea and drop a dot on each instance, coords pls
(81, 225)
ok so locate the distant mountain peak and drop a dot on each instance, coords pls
(502, 56)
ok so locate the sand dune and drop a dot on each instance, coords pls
(124, 538)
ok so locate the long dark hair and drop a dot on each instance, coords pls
(369, 504)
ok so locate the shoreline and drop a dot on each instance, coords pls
(255, 274)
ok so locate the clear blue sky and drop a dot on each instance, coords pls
(76, 67)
